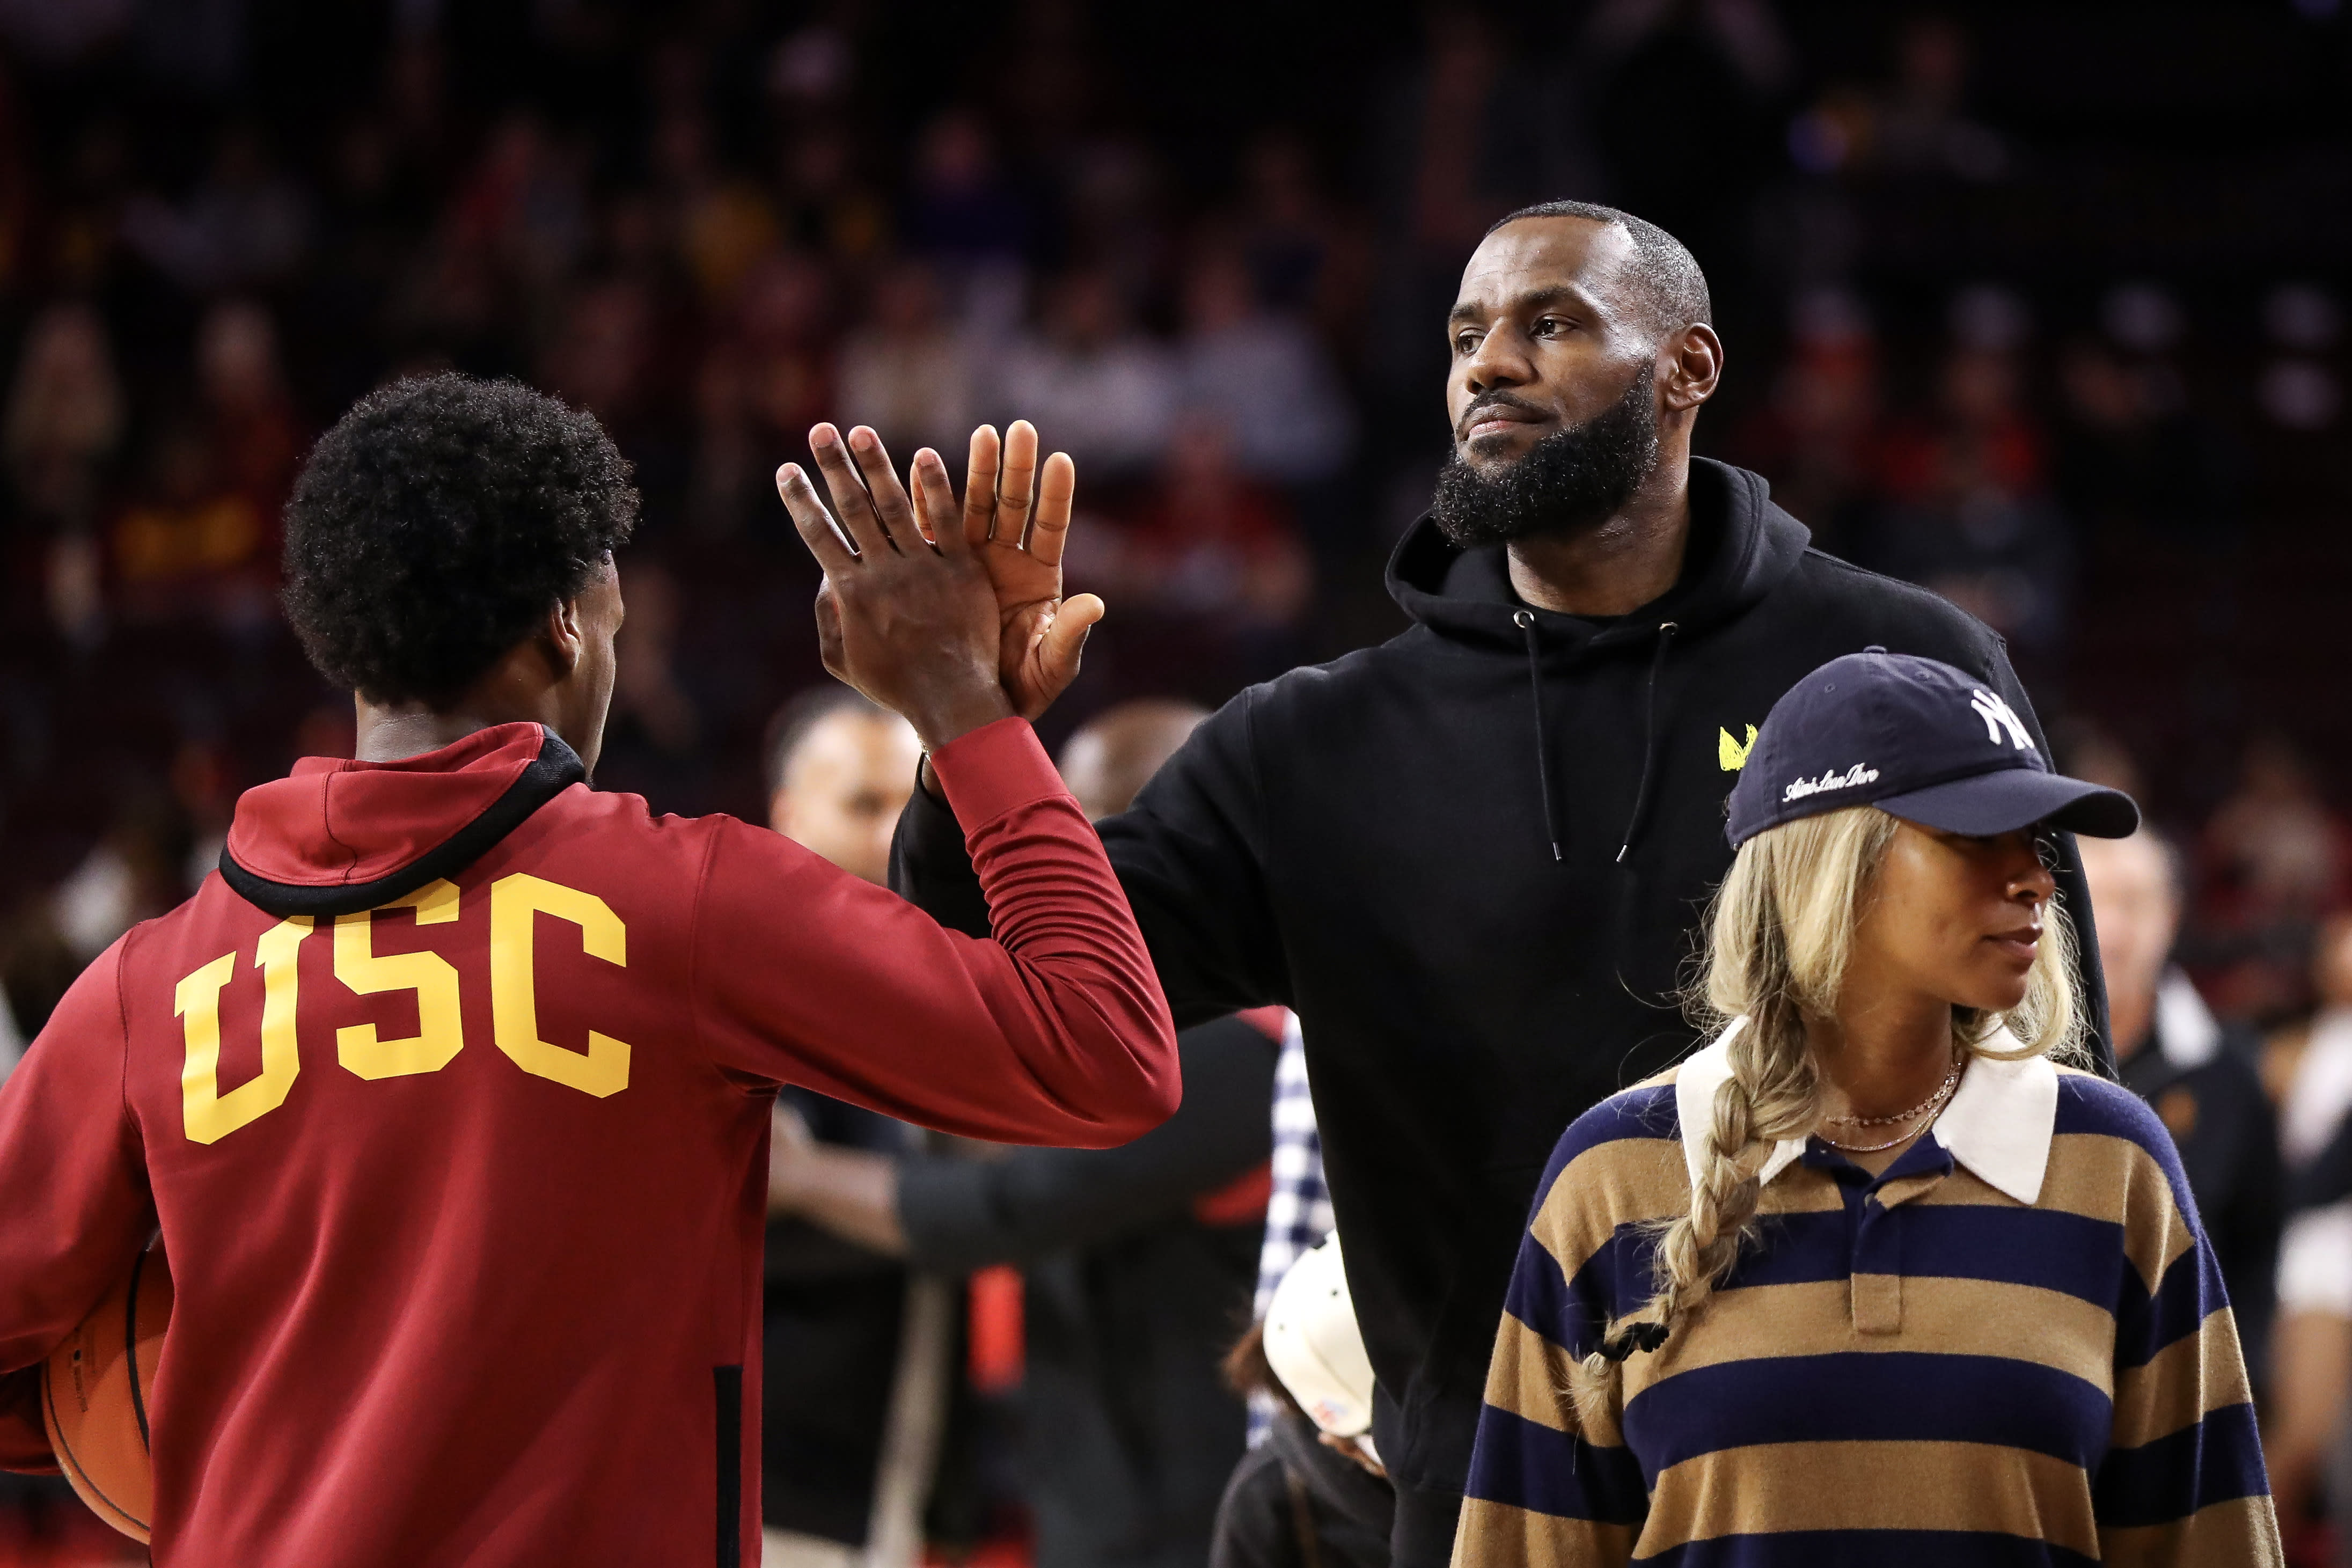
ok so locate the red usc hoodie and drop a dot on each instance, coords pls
(463, 1197)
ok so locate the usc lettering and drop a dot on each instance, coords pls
(516, 901)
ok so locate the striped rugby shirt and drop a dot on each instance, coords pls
(2012, 1348)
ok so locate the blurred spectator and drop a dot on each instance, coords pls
(524, 210)
(243, 388)
(1966, 513)
(1816, 438)
(1723, 64)
(246, 225)
(827, 207)
(2133, 463)
(135, 872)
(783, 320)
(37, 966)
(598, 354)
(2084, 749)
(2311, 1374)
(907, 371)
(1917, 124)
(1314, 1493)
(2201, 1079)
(2274, 858)
(964, 214)
(56, 31)
(1298, 1208)
(64, 423)
(193, 545)
(1469, 134)
(856, 1349)
(206, 797)
(2300, 391)
(1263, 376)
(1307, 254)
(813, 70)
(725, 224)
(1211, 552)
(1481, 137)
(65, 417)
(1112, 199)
(1094, 386)
(1136, 1261)
(766, 378)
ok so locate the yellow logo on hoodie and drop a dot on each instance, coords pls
(1731, 754)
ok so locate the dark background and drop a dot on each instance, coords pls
(2036, 303)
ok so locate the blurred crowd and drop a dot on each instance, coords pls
(713, 224)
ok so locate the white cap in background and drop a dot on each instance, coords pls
(1315, 1347)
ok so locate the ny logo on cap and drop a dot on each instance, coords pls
(1998, 716)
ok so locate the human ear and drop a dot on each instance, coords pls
(563, 638)
(1693, 360)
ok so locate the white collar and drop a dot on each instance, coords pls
(1998, 1121)
(2186, 1034)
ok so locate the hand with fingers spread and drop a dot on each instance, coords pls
(1017, 521)
(907, 616)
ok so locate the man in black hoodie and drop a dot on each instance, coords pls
(1473, 857)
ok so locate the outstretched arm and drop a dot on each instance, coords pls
(1192, 856)
(1055, 1031)
(955, 1214)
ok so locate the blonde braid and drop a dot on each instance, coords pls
(1779, 934)
(1781, 930)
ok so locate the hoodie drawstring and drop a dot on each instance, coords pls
(1649, 739)
(1526, 621)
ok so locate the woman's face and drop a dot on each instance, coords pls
(1955, 918)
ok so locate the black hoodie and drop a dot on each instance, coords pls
(1474, 859)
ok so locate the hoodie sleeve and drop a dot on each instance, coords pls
(1055, 1032)
(1191, 855)
(960, 1215)
(81, 1209)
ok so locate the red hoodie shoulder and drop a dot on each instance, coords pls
(336, 836)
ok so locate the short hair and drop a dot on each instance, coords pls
(437, 523)
(1669, 274)
(797, 718)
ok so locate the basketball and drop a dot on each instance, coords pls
(94, 1395)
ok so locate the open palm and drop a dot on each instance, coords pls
(1017, 518)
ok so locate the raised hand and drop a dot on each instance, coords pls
(907, 616)
(1016, 521)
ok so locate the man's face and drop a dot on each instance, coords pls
(2136, 910)
(1553, 392)
(844, 788)
(586, 694)
(1546, 333)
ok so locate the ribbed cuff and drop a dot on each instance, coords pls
(997, 768)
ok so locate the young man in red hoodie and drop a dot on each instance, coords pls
(449, 1094)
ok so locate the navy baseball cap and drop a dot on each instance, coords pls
(1919, 740)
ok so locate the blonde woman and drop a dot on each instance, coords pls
(1873, 1277)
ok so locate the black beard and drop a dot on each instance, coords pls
(1565, 483)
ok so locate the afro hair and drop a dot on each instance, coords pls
(437, 523)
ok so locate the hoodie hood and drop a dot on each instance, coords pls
(336, 836)
(1741, 547)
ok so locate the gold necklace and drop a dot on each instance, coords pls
(1943, 1092)
(1926, 1108)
